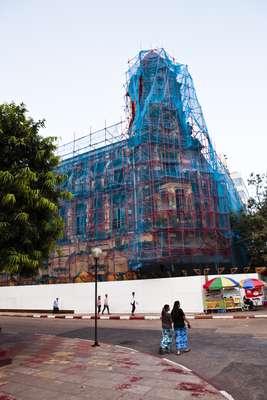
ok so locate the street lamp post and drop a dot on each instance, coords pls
(96, 253)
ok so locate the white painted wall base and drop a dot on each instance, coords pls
(151, 294)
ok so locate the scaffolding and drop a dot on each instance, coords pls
(150, 191)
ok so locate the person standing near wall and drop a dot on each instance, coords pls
(180, 331)
(56, 305)
(106, 305)
(133, 303)
(98, 304)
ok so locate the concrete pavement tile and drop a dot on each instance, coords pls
(73, 379)
(169, 394)
(109, 375)
(172, 364)
(47, 374)
(71, 388)
(30, 365)
(173, 377)
(3, 373)
(140, 368)
(62, 354)
(24, 370)
(32, 381)
(54, 361)
(179, 396)
(197, 388)
(159, 383)
(176, 377)
(36, 393)
(81, 354)
(159, 376)
(51, 385)
(104, 382)
(217, 396)
(100, 365)
(83, 380)
(21, 378)
(93, 393)
(75, 368)
(55, 367)
(5, 369)
(6, 396)
(121, 369)
(131, 396)
(81, 359)
(13, 388)
(134, 396)
(133, 388)
(66, 396)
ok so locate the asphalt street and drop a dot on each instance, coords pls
(230, 354)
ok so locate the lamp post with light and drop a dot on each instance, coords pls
(96, 253)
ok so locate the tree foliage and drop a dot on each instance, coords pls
(29, 192)
(251, 225)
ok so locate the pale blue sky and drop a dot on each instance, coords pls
(66, 60)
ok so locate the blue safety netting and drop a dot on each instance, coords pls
(159, 197)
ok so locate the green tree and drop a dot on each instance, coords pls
(251, 225)
(29, 192)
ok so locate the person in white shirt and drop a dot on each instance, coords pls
(106, 305)
(56, 305)
(133, 303)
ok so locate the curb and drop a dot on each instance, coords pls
(226, 395)
(129, 317)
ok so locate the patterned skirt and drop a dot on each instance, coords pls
(166, 340)
(181, 338)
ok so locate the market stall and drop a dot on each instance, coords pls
(253, 289)
(222, 294)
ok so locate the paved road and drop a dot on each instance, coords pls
(232, 355)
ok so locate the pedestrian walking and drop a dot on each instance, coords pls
(133, 303)
(180, 330)
(98, 304)
(106, 304)
(56, 305)
(166, 322)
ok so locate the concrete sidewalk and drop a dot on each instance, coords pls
(51, 367)
(262, 313)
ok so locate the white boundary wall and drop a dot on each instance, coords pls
(151, 294)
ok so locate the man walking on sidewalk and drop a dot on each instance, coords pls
(56, 305)
(133, 303)
(106, 305)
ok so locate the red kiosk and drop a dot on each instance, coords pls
(254, 290)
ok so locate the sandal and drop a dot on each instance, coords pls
(167, 351)
(187, 350)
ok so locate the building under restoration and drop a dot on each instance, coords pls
(154, 195)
